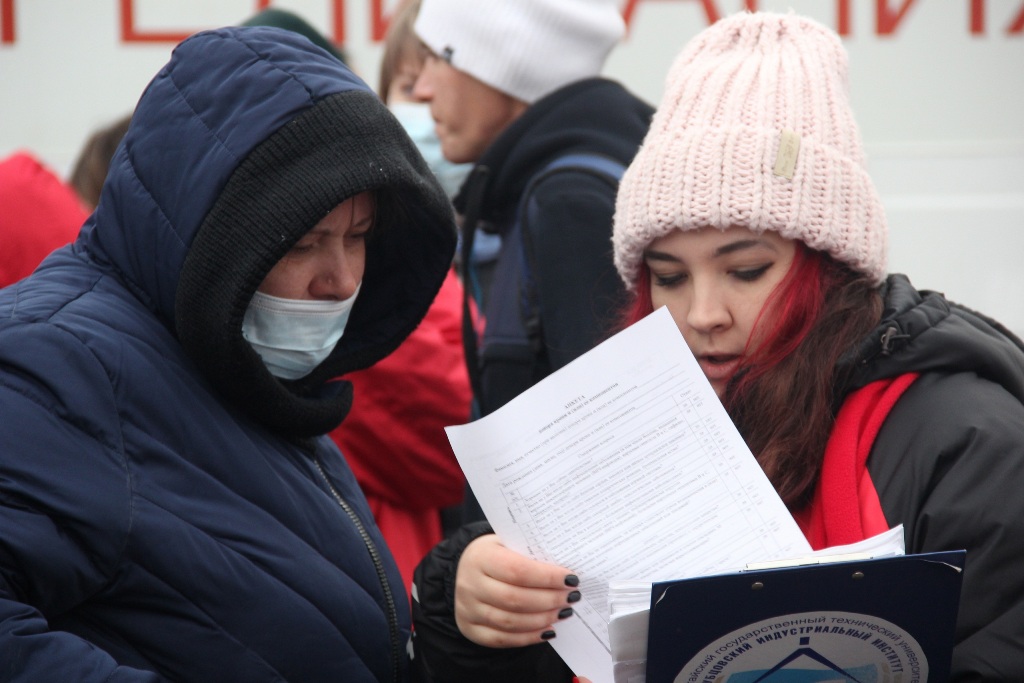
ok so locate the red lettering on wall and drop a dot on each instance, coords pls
(843, 17)
(131, 34)
(378, 22)
(338, 22)
(1017, 25)
(978, 19)
(6, 21)
(710, 10)
(889, 15)
(887, 20)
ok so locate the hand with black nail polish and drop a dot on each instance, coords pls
(503, 599)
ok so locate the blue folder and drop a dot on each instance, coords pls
(861, 621)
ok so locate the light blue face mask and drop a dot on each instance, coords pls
(293, 336)
(415, 119)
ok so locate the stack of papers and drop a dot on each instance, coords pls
(623, 465)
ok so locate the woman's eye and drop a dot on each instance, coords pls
(752, 274)
(667, 280)
(301, 247)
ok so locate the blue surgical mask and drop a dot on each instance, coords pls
(293, 336)
(417, 122)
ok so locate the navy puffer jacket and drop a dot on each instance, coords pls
(168, 510)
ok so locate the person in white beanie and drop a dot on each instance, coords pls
(750, 214)
(514, 87)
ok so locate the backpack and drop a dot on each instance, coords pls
(515, 330)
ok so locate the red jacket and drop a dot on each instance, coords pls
(40, 213)
(394, 440)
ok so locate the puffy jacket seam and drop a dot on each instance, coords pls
(264, 59)
(227, 634)
(220, 542)
(135, 287)
(82, 427)
(119, 449)
(269, 61)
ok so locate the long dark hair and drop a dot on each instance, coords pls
(781, 399)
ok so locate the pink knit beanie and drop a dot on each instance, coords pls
(755, 129)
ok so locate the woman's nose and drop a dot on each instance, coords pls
(708, 311)
(423, 87)
(336, 278)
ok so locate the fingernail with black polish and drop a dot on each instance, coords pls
(565, 613)
(574, 596)
(547, 635)
(572, 580)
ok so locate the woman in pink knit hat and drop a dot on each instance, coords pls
(749, 213)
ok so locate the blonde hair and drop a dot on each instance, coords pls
(401, 45)
(93, 162)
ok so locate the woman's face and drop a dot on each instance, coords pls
(715, 283)
(403, 80)
(468, 114)
(327, 263)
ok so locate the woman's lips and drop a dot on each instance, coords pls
(718, 368)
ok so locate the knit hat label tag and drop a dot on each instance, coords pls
(785, 159)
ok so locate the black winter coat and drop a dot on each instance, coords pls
(948, 462)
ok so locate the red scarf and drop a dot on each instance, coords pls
(845, 508)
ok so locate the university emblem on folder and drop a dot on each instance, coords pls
(812, 647)
(882, 620)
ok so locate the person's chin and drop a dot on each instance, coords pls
(719, 372)
(455, 153)
(718, 387)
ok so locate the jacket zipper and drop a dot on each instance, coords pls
(378, 564)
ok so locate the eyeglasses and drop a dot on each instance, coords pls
(445, 56)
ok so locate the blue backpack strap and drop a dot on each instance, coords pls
(606, 168)
(586, 161)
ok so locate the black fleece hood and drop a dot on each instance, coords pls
(239, 146)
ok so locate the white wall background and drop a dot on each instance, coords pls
(940, 103)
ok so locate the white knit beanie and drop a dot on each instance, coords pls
(755, 129)
(524, 48)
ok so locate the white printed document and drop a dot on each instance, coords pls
(623, 465)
